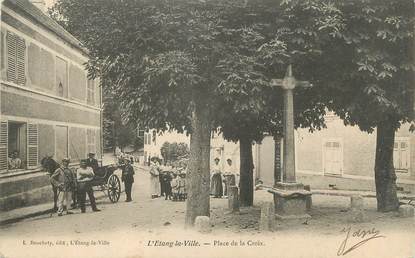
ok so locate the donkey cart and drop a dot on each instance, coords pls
(107, 182)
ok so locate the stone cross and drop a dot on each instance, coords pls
(288, 84)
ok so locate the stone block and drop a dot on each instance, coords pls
(406, 211)
(309, 201)
(202, 224)
(357, 216)
(233, 199)
(267, 219)
(357, 202)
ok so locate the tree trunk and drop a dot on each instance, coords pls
(246, 171)
(198, 177)
(385, 177)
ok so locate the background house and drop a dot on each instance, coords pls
(342, 156)
(48, 105)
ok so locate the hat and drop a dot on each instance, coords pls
(91, 154)
(66, 160)
(83, 160)
(217, 158)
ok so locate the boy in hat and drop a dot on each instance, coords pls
(128, 178)
(63, 179)
(84, 176)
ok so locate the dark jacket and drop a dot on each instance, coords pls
(127, 174)
(93, 163)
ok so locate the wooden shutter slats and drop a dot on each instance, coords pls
(3, 146)
(11, 57)
(16, 59)
(32, 145)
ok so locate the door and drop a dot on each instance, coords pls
(333, 157)
(61, 143)
(401, 154)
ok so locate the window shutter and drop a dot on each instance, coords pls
(11, 57)
(3, 146)
(32, 145)
(16, 56)
(20, 61)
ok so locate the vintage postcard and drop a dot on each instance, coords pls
(207, 128)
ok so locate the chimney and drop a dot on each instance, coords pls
(40, 4)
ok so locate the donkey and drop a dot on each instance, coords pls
(50, 165)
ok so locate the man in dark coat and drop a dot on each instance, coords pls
(128, 179)
(92, 162)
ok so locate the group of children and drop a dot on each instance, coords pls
(169, 180)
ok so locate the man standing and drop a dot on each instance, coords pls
(84, 177)
(128, 179)
(92, 162)
(64, 181)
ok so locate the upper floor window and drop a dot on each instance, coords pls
(61, 77)
(16, 59)
(91, 92)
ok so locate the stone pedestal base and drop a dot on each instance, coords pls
(290, 200)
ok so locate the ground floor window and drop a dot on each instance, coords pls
(18, 146)
(90, 140)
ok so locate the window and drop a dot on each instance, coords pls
(91, 92)
(401, 154)
(154, 137)
(90, 140)
(16, 59)
(61, 77)
(18, 146)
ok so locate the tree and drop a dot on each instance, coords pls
(369, 83)
(254, 55)
(174, 151)
(161, 60)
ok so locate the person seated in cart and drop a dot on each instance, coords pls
(92, 162)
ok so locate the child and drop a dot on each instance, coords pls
(167, 178)
(175, 187)
(182, 186)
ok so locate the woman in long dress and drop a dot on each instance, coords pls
(154, 178)
(216, 188)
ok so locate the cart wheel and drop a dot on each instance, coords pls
(114, 188)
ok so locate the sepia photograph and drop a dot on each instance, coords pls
(207, 128)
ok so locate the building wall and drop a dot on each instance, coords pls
(358, 157)
(52, 96)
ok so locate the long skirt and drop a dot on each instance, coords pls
(216, 188)
(155, 185)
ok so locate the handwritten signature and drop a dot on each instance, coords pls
(362, 237)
